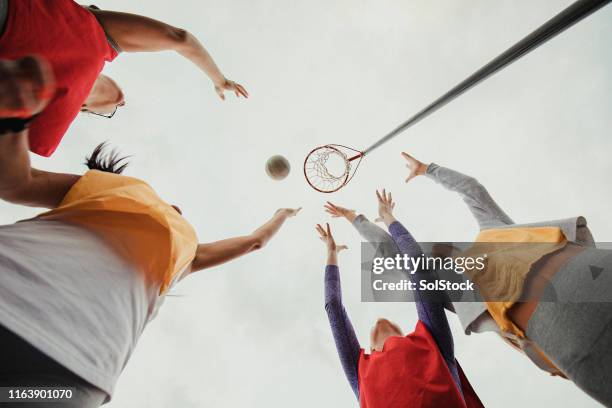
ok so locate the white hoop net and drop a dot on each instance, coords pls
(328, 168)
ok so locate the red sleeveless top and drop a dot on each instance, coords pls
(411, 372)
(72, 41)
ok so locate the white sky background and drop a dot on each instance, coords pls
(254, 333)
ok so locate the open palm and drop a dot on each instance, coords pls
(229, 85)
(326, 236)
(416, 167)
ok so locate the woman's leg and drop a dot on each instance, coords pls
(22, 365)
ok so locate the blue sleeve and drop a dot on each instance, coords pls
(430, 313)
(346, 341)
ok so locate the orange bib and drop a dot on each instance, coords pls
(128, 214)
(509, 260)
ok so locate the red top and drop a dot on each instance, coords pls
(411, 372)
(72, 41)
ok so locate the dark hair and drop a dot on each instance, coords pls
(103, 161)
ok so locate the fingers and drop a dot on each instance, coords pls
(321, 231)
(329, 234)
(340, 209)
(416, 167)
(335, 210)
(26, 86)
(412, 163)
(333, 214)
(241, 90)
(330, 204)
(231, 86)
(288, 212)
(385, 198)
(332, 209)
(238, 89)
(407, 156)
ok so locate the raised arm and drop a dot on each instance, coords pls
(369, 231)
(21, 184)
(24, 91)
(216, 253)
(134, 33)
(347, 345)
(486, 211)
(430, 313)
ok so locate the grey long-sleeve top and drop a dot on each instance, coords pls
(488, 214)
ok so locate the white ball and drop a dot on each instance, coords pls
(277, 167)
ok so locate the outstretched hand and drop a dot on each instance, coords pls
(416, 167)
(229, 85)
(26, 86)
(385, 207)
(288, 212)
(336, 212)
(326, 236)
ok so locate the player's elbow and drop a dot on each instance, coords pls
(469, 182)
(8, 195)
(333, 307)
(256, 242)
(179, 38)
(477, 189)
(14, 188)
(14, 196)
(331, 303)
(472, 185)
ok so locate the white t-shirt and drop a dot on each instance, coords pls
(67, 292)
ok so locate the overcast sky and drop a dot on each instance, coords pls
(254, 333)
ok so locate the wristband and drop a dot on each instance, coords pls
(14, 125)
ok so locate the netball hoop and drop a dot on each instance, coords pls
(329, 168)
